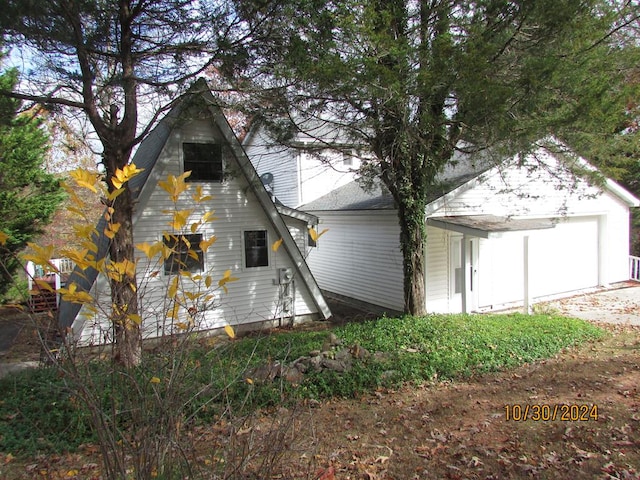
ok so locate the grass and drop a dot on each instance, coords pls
(39, 412)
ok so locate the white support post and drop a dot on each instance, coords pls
(31, 273)
(56, 263)
(603, 248)
(527, 277)
(464, 263)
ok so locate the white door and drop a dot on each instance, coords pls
(463, 274)
(455, 273)
(473, 261)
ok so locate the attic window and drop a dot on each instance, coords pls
(186, 254)
(204, 160)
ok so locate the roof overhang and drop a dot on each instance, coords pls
(490, 226)
(297, 214)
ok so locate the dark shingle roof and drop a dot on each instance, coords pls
(353, 196)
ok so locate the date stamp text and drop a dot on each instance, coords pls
(550, 413)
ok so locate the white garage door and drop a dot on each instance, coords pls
(562, 259)
(565, 258)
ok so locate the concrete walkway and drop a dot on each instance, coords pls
(619, 304)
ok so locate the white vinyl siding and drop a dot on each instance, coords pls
(523, 192)
(322, 173)
(562, 259)
(253, 297)
(359, 257)
(437, 267)
(281, 162)
(299, 176)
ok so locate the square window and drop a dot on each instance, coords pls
(186, 254)
(204, 160)
(256, 248)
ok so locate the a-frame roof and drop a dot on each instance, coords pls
(147, 157)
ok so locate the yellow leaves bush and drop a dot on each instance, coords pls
(186, 299)
(125, 174)
(118, 271)
(315, 235)
(85, 178)
(174, 186)
(226, 278)
(73, 295)
(276, 245)
(41, 255)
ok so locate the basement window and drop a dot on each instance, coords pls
(204, 160)
(186, 254)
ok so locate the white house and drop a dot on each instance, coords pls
(496, 237)
(273, 286)
(306, 168)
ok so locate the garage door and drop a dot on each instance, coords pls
(565, 258)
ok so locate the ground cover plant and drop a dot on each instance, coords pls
(39, 413)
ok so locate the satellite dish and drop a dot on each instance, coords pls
(267, 178)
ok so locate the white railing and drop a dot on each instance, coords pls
(634, 268)
(63, 265)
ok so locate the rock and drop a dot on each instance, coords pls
(359, 352)
(292, 375)
(302, 364)
(264, 373)
(335, 365)
(316, 363)
(330, 358)
(343, 354)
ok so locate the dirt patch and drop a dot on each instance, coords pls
(449, 430)
(24, 334)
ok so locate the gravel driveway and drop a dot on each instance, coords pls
(619, 304)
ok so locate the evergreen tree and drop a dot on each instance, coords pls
(416, 81)
(28, 194)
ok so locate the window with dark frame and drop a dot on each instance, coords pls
(310, 241)
(256, 248)
(186, 254)
(204, 160)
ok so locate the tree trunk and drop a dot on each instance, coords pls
(412, 241)
(124, 298)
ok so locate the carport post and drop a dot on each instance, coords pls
(527, 277)
(603, 248)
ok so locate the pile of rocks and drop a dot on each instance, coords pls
(333, 356)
